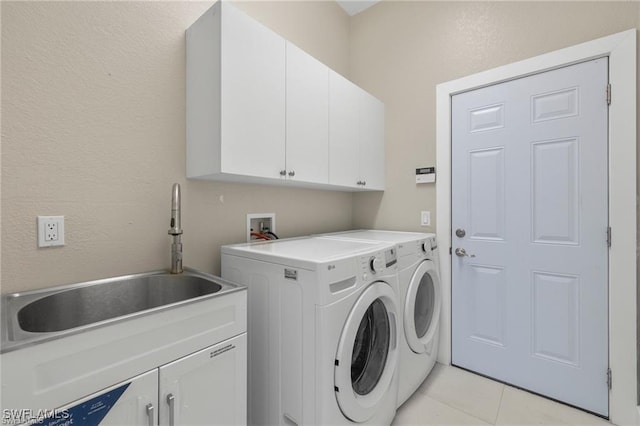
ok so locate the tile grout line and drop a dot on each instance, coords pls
(495, 421)
(458, 409)
(468, 413)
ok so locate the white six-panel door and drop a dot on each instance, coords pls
(529, 221)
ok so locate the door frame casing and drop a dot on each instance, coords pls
(621, 50)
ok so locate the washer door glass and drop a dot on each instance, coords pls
(425, 305)
(370, 348)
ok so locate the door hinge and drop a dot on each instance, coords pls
(608, 236)
(450, 252)
(609, 94)
(609, 378)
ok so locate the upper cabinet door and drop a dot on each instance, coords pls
(371, 136)
(343, 131)
(252, 97)
(307, 157)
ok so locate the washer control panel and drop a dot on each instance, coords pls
(378, 262)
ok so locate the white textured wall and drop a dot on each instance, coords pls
(400, 51)
(93, 128)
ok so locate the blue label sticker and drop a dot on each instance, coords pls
(88, 413)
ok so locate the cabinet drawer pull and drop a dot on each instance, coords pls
(172, 412)
(150, 414)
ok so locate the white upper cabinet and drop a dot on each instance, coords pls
(343, 131)
(356, 136)
(371, 141)
(235, 96)
(307, 106)
(253, 97)
(259, 109)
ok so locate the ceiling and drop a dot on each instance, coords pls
(353, 7)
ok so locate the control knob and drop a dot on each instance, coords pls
(376, 264)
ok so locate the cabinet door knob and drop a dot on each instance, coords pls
(283, 172)
(292, 173)
(364, 183)
(359, 182)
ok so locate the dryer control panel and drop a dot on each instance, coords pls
(427, 246)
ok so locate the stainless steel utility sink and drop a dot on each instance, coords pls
(55, 312)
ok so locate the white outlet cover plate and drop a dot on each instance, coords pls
(43, 221)
(425, 218)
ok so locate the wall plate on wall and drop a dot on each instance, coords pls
(50, 231)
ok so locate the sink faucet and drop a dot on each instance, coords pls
(176, 231)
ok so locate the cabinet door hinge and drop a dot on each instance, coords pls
(609, 378)
(608, 236)
(450, 252)
(609, 94)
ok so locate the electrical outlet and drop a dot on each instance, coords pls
(50, 231)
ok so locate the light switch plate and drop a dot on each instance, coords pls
(425, 218)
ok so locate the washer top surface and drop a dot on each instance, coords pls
(386, 236)
(310, 250)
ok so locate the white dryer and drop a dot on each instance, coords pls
(323, 330)
(420, 302)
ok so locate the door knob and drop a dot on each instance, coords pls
(462, 253)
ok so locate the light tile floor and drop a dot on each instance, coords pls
(451, 396)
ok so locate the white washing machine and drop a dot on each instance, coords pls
(420, 302)
(323, 330)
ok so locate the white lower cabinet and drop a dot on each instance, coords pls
(208, 387)
(132, 402)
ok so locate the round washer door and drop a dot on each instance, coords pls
(367, 353)
(422, 307)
